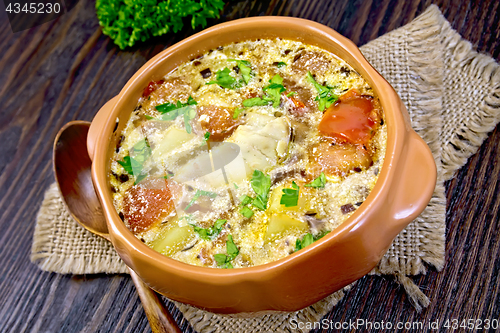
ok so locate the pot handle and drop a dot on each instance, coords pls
(417, 180)
(97, 125)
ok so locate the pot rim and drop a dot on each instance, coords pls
(397, 128)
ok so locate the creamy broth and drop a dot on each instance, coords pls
(248, 153)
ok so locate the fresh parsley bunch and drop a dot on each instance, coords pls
(129, 21)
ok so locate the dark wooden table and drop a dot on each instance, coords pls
(66, 69)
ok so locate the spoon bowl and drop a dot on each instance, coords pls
(72, 169)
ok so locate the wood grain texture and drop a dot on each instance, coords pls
(66, 69)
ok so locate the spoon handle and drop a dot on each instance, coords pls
(160, 320)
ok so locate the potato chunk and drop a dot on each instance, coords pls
(173, 239)
(302, 205)
(281, 225)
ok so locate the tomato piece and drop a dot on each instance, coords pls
(152, 86)
(351, 94)
(338, 160)
(218, 121)
(147, 203)
(352, 119)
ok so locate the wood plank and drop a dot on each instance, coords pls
(66, 69)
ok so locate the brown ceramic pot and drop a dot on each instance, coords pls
(404, 188)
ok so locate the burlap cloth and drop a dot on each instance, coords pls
(453, 96)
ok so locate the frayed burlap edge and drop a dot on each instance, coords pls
(425, 81)
(474, 130)
(45, 255)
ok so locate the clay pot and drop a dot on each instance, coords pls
(404, 188)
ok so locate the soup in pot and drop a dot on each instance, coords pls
(248, 154)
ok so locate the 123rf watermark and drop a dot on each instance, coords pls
(25, 14)
(364, 325)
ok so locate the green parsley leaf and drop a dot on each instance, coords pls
(206, 136)
(318, 182)
(245, 200)
(256, 101)
(245, 69)
(308, 239)
(261, 184)
(325, 96)
(170, 111)
(168, 107)
(231, 248)
(237, 112)
(130, 164)
(290, 196)
(129, 22)
(212, 232)
(246, 212)
(272, 94)
(281, 64)
(224, 79)
(134, 162)
(223, 260)
(198, 194)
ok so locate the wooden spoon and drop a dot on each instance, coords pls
(72, 167)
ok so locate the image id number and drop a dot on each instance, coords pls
(33, 8)
(473, 324)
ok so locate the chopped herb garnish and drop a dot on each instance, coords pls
(318, 182)
(170, 111)
(212, 232)
(275, 89)
(206, 136)
(198, 194)
(168, 107)
(134, 162)
(224, 79)
(246, 212)
(308, 239)
(281, 64)
(256, 101)
(261, 184)
(291, 94)
(223, 260)
(245, 69)
(236, 186)
(325, 96)
(237, 112)
(245, 200)
(290, 196)
(272, 94)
